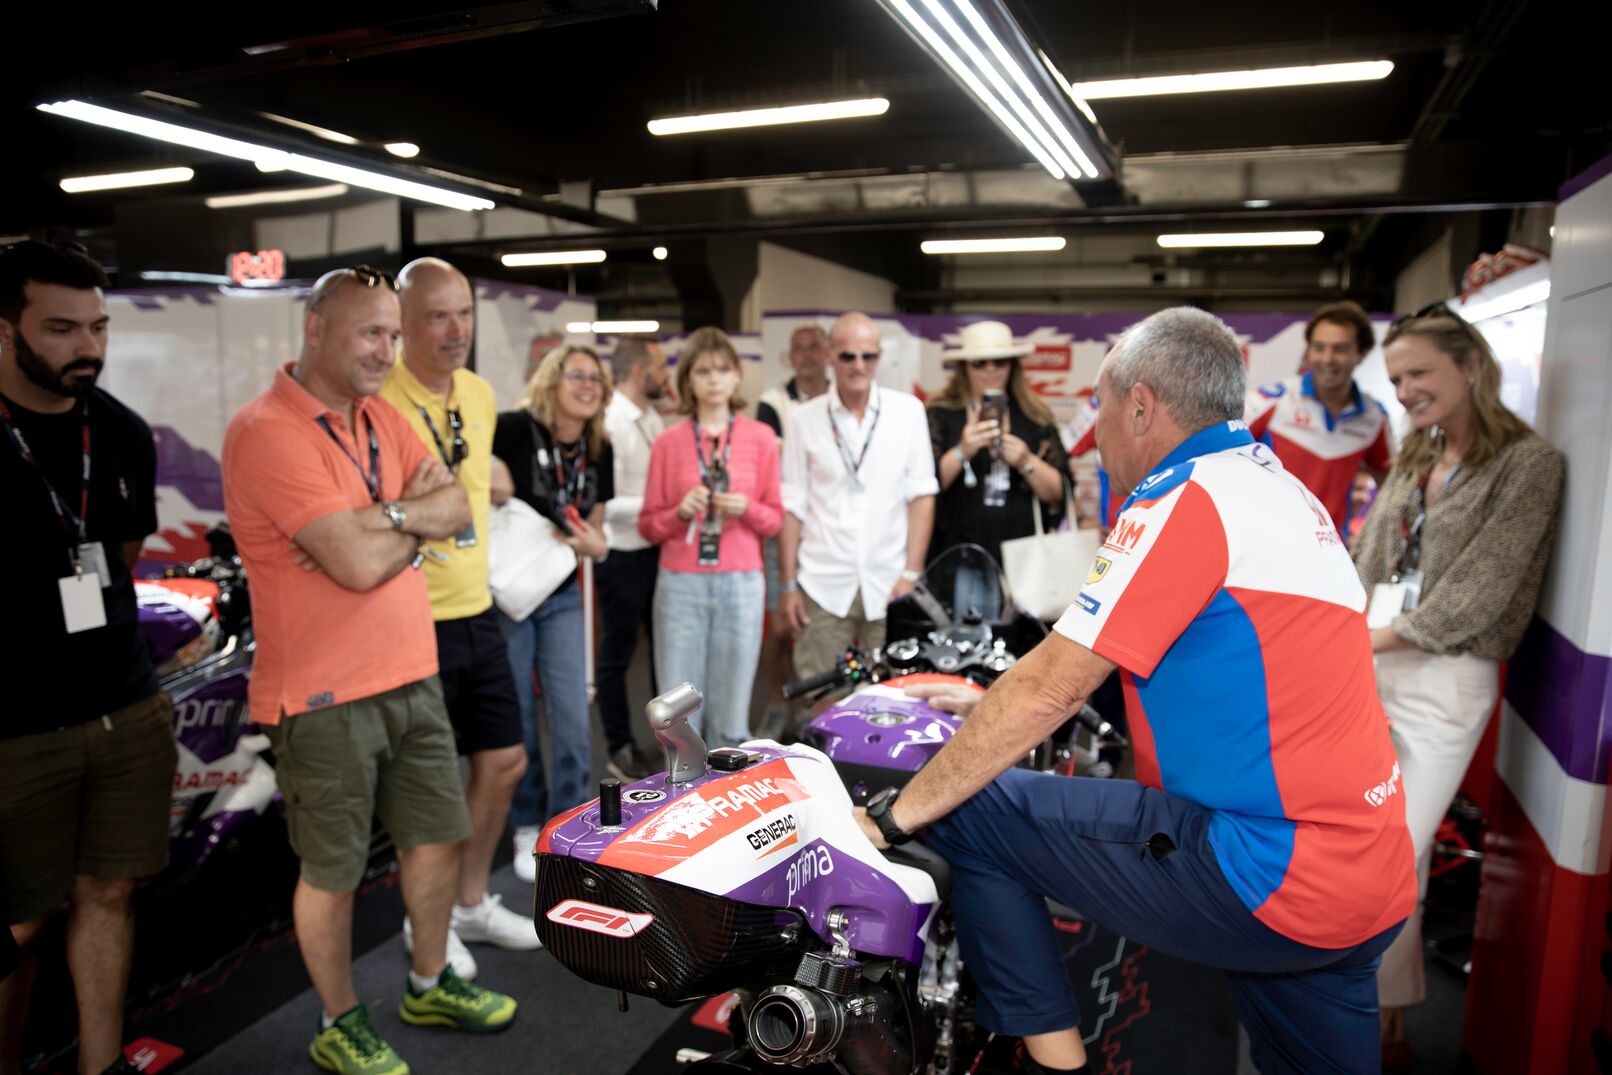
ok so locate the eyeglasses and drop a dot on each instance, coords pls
(848, 357)
(577, 377)
(994, 363)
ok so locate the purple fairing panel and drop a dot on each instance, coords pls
(208, 716)
(795, 844)
(890, 733)
(882, 919)
(167, 628)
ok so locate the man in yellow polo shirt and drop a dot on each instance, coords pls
(453, 412)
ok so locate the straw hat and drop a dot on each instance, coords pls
(987, 339)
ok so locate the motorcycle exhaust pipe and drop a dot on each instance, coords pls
(788, 1025)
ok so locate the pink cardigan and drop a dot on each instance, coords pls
(674, 470)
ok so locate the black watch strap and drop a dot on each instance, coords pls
(879, 810)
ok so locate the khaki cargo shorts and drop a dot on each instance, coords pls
(390, 754)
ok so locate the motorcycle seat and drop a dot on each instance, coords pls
(919, 857)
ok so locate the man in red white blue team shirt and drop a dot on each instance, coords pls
(1320, 424)
(1265, 831)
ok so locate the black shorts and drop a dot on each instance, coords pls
(477, 685)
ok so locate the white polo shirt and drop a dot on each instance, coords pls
(632, 431)
(855, 541)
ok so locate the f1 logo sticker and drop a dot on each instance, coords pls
(607, 920)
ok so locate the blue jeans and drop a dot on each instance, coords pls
(972, 587)
(708, 633)
(550, 642)
(1086, 843)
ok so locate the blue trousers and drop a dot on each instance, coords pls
(549, 641)
(1086, 843)
(708, 633)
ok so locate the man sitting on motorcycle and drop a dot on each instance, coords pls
(1264, 834)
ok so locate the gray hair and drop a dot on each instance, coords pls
(1191, 361)
(630, 353)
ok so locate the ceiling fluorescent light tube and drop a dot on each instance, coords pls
(612, 328)
(992, 246)
(767, 117)
(119, 180)
(276, 197)
(1216, 81)
(1244, 238)
(318, 132)
(552, 257)
(267, 158)
(937, 45)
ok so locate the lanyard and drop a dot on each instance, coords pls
(699, 450)
(74, 526)
(372, 480)
(855, 467)
(638, 424)
(1410, 532)
(563, 493)
(455, 423)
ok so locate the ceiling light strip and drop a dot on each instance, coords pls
(1218, 81)
(982, 94)
(1243, 238)
(1004, 92)
(612, 328)
(276, 197)
(318, 132)
(1031, 94)
(1027, 244)
(275, 159)
(119, 180)
(552, 257)
(767, 117)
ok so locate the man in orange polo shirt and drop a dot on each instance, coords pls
(330, 495)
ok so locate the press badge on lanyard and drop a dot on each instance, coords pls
(83, 605)
(1403, 590)
(715, 476)
(465, 538)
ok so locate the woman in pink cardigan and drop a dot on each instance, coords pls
(711, 498)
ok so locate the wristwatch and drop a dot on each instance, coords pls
(1029, 467)
(879, 811)
(395, 514)
(961, 458)
(909, 575)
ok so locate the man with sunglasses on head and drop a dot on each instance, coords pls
(331, 495)
(1319, 423)
(859, 498)
(453, 413)
(87, 751)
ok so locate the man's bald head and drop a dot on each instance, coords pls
(853, 326)
(439, 320)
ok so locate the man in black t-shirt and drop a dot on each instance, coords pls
(87, 752)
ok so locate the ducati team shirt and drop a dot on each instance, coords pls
(1226, 597)
(1320, 449)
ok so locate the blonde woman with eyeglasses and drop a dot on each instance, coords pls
(1452, 556)
(559, 462)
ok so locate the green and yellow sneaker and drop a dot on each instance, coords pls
(352, 1047)
(454, 1002)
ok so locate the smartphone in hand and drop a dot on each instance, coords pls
(573, 518)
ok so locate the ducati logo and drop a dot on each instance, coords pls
(610, 921)
(1099, 568)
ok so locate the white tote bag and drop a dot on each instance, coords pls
(526, 560)
(1045, 571)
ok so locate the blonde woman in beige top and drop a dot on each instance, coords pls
(1452, 555)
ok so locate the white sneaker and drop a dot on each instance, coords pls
(492, 923)
(459, 957)
(525, 841)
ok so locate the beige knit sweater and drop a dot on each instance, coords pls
(1485, 545)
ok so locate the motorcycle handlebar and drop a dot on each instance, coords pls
(794, 690)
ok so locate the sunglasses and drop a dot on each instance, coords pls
(1432, 309)
(849, 357)
(459, 449)
(370, 276)
(994, 363)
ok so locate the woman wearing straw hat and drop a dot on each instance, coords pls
(992, 471)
